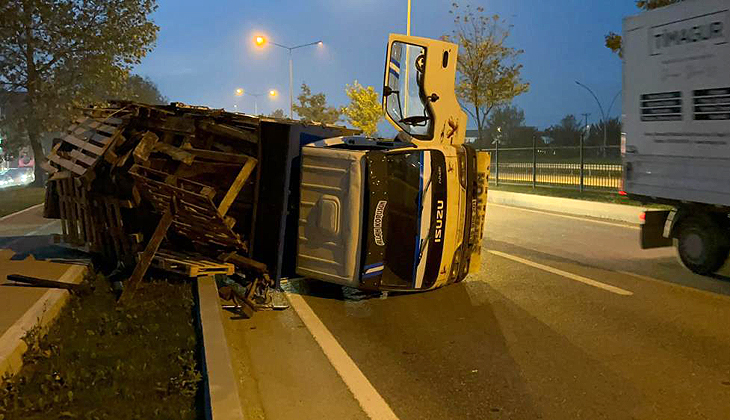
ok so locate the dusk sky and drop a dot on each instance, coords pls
(205, 51)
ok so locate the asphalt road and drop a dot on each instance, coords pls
(568, 319)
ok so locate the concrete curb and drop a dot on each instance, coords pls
(42, 313)
(221, 393)
(618, 212)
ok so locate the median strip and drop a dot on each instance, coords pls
(553, 270)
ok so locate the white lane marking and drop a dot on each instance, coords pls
(677, 285)
(370, 400)
(20, 212)
(584, 280)
(33, 232)
(584, 219)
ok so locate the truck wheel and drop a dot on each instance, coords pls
(701, 245)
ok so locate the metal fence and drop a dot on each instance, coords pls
(575, 167)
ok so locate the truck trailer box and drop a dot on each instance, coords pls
(676, 103)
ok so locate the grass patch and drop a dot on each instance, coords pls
(599, 196)
(101, 360)
(18, 198)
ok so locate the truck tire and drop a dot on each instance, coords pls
(701, 244)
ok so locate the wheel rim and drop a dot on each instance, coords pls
(693, 246)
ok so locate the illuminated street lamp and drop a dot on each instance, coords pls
(240, 92)
(260, 41)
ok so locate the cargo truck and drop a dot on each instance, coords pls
(676, 122)
(401, 215)
(195, 187)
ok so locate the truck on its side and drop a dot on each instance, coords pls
(676, 120)
(402, 215)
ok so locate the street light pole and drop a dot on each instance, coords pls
(291, 87)
(600, 108)
(603, 115)
(260, 41)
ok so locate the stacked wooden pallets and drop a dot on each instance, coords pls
(172, 187)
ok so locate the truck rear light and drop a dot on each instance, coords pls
(642, 216)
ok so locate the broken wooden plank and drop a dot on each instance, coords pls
(178, 154)
(229, 131)
(236, 186)
(218, 156)
(146, 258)
(35, 281)
(145, 146)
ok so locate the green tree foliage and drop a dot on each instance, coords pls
(313, 107)
(141, 89)
(62, 53)
(279, 113)
(613, 40)
(488, 75)
(502, 122)
(566, 133)
(364, 110)
(613, 133)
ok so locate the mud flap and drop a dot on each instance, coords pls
(652, 231)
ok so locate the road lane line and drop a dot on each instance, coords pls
(567, 216)
(677, 285)
(370, 400)
(585, 280)
(33, 232)
(20, 212)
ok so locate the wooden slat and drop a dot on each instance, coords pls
(76, 154)
(87, 134)
(146, 258)
(236, 186)
(83, 144)
(96, 125)
(77, 169)
(229, 131)
(219, 156)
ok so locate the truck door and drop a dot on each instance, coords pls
(418, 95)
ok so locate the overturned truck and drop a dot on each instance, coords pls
(203, 192)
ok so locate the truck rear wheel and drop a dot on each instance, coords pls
(702, 244)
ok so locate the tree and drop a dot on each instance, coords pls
(62, 53)
(613, 130)
(313, 108)
(613, 40)
(141, 89)
(364, 110)
(567, 133)
(487, 72)
(279, 113)
(501, 124)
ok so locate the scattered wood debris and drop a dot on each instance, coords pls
(172, 187)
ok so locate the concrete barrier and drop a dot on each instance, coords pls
(617, 212)
(221, 392)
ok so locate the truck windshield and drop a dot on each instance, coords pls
(405, 101)
(414, 180)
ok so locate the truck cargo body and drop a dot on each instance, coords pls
(676, 123)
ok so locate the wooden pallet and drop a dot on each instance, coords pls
(93, 221)
(195, 216)
(84, 143)
(190, 265)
